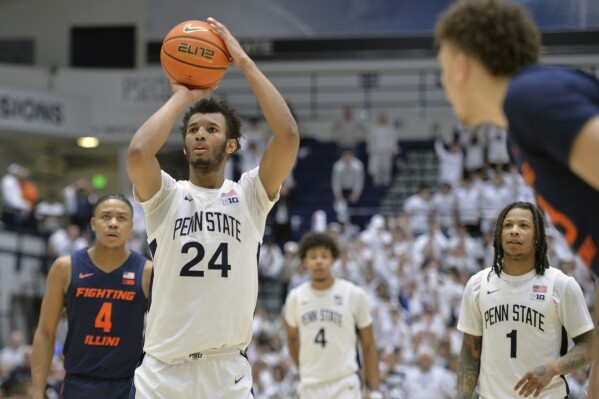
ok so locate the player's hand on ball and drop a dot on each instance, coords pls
(238, 55)
(533, 382)
(192, 94)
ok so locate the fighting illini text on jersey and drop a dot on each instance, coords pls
(105, 313)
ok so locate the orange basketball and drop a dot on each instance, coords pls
(193, 55)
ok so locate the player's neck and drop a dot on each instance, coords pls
(518, 267)
(108, 259)
(493, 90)
(324, 284)
(214, 179)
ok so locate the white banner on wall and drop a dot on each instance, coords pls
(122, 100)
(46, 112)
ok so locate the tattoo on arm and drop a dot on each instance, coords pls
(469, 366)
(579, 356)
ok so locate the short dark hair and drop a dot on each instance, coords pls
(110, 196)
(212, 106)
(541, 261)
(500, 34)
(317, 240)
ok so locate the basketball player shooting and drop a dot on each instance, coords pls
(489, 54)
(205, 234)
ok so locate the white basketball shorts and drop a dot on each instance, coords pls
(222, 374)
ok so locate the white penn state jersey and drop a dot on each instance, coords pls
(522, 321)
(205, 246)
(327, 321)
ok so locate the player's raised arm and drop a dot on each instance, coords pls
(279, 156)
(58, 280)
(468, 366)
(142, 165)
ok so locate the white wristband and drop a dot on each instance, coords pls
(376, 395)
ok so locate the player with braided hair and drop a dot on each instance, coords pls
(540, 246)
(515, 316)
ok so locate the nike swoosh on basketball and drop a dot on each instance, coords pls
(188, 28)
(490, 292)
(240, 378)
(86, 275)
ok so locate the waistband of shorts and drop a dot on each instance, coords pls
(211, 353)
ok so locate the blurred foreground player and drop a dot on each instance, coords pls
(104, 290)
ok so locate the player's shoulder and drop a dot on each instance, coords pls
(60, 270)
(475, 281)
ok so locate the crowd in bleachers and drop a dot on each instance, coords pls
(414, 265)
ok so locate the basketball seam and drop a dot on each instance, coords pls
(198, 39)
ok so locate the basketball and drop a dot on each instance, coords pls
(193, 55)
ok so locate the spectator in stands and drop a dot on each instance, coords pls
(431, 244)
(451, 162)
(16, 209)
(250, 157)
(494, 196)
(468, 200)
(443, 205)
(418, 209)
(381, 147)
(50, 213)
(280, 215)
(79, 201)
(29, 188)
(18, 382)
(270, 263)
(253, 133)
(347, 181)
(473, 142)
(13, 354)
(65, 241)
(428, 381)
(348, 132)
(497, 153)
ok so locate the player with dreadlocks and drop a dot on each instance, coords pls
(540, 245)
(523, 308)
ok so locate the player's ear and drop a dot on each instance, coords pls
(231, 146)
(92, 223)
(184, 151)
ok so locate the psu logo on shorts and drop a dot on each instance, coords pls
(196, 356)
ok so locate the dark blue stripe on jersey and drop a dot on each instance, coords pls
(153, 245)
(562, 351)
(105, 313)
(150, 290)
(258, 254)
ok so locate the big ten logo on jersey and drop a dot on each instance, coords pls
(538, 292)
(229, 198)
(128, 278)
